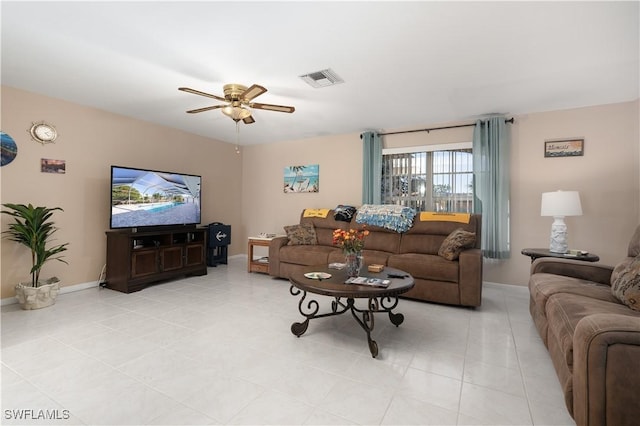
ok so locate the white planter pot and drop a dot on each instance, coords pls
(37, 297)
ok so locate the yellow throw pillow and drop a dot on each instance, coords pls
(316, 213)
(445, 217)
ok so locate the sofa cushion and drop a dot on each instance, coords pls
(307, 254)
(565, 310)
(380, 239)
(625, 282)
(427, 236)
(426, 266)
(373, 257)
(303, 234)
(543, 285)
(369, 257)
(455, 242)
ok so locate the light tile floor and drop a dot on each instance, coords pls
(218, 350)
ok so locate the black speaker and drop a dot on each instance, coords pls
(219, 234)
(219, 239)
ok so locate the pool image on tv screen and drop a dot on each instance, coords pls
(142, 198)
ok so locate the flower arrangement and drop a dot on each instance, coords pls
(350, 241)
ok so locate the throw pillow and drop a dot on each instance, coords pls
(344, 213)
(625, 283)
(303, 234)
(457, 241)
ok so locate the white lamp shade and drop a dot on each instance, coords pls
(561, 203)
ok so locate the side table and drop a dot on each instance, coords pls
(535, 253)
(262, 264)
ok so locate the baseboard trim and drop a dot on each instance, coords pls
(91, 284)
(501, 286)
(63, 290)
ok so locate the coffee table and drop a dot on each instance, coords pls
(379, 299)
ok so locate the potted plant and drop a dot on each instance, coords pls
(33, 228)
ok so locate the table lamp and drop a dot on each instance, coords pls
(560, 204)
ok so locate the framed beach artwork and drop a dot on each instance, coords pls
(302, 178)
(564, 148)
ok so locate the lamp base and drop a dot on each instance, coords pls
(558, 243)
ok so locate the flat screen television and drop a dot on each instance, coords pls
(151, 198)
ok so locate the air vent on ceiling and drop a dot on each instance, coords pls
(322, 78)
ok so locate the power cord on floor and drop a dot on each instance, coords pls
(102, 283)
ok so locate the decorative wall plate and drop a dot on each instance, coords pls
(9, 149)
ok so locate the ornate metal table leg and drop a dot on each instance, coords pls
(367, 321)
(299, 328)
(373, 348)
(396, 319)
(335, 304)
(388, 304)
(310, 310)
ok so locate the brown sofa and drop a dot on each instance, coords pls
(456, 282)
(593, 339)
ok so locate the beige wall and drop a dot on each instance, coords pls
(246, 190)
(266, 208)
(90, 141)
(607, 177)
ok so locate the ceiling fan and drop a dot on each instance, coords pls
(237, 100)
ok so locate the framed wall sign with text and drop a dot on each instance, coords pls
(564, 148)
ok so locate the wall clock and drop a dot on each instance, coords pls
(43, 132)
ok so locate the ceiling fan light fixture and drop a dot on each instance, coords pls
(239, 103)
(235, 112)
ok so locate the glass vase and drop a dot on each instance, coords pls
(353, 263)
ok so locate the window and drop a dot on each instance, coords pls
(432, 178)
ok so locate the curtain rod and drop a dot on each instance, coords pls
(510, 120)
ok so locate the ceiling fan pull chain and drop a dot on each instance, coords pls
(237, 137)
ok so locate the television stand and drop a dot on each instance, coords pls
(138, 259)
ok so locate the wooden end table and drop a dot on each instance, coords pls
(378, 299)
(254, 265)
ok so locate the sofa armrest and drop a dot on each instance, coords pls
(606, 377)
(274, 255)
(470, 279)
(596, 272)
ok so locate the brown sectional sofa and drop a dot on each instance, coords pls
(456, 282)
(593, 339)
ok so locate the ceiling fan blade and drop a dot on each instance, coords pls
(197, 92)
(209, 108)
(269, 107)
(248, 120)
(252, 92)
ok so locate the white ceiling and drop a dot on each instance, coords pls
(405, 65)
